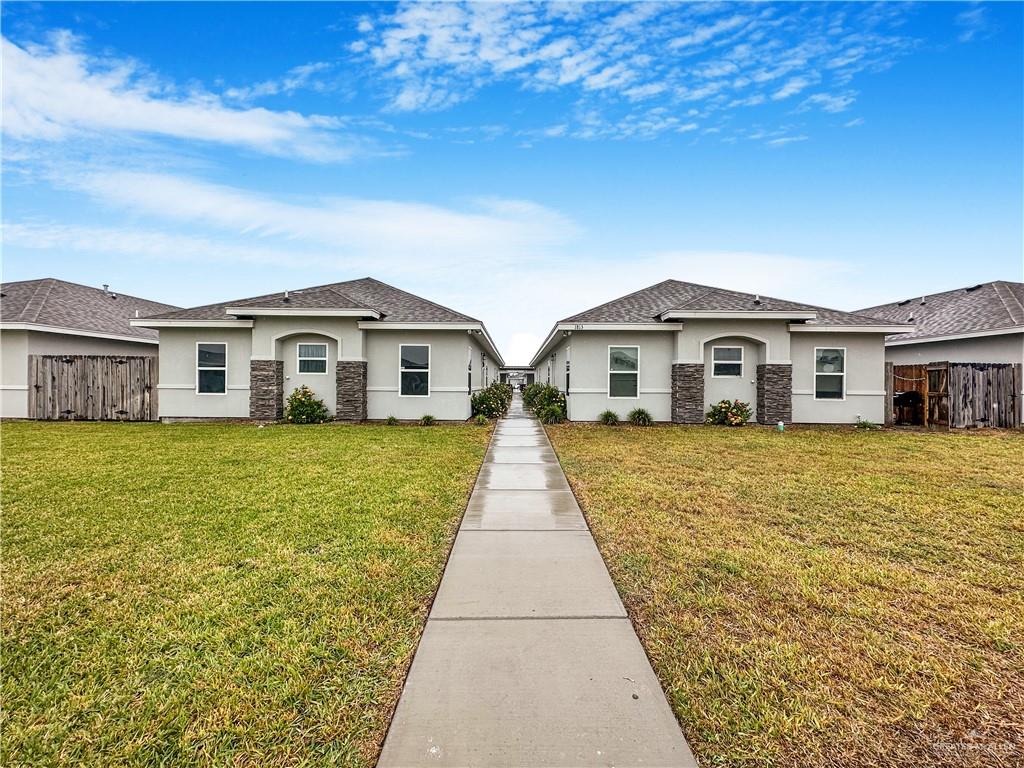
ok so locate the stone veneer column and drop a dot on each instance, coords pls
(688, 393)
(351, 390)
(774, 393)
(266, 389)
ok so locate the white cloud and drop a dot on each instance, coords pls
(792, 87)
(54, 92)
(829, 102)
(486, 227)
(975, 24)
(296, 78)
(620, 61)
(703, 34)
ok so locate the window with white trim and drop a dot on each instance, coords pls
(312, 358)
(624, 372)
(414, 370)
(211, 368)
(829, 373)
(726, 362)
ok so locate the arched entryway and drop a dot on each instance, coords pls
(731, 365)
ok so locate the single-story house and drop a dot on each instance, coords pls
(980, 324)
(54, 317)
(676, 348)
(369, 350)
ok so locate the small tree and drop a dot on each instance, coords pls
(304, 407)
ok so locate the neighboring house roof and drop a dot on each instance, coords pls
(987, 307)
(392, 304)
(57, 305)
(649, 304)
(672, 300)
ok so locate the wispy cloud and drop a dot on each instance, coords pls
(56, 91)
(974, 23)
(296, 78)
(410, 231)
(620, 62)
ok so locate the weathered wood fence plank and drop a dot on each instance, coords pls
(93, 387)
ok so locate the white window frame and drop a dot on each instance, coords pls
(299, 358)
(728, 362)
(402, 370)
(814, 370)
(212, 368)
(608, 359)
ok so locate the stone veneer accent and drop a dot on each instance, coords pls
(688, 393)
(351, 394)
(774, 393)
(266, 389)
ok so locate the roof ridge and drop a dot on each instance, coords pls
(39, 297)
(1012, 304)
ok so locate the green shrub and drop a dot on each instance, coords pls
(391, 421)
(609, 418)
(731, 414)
(426, 420)
(492, 401)
(304, 407)
(866, 425)
(549, 395)
(480, 420)
(551, 414)
(530, 394)
(640, 417)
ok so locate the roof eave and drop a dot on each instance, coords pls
(954, 336)
(863, 328)
(42, 328)
(752, 314)
(303, 312)
(157, 323)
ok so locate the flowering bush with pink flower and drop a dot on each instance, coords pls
(730, 413)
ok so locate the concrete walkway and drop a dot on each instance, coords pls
(528, 658)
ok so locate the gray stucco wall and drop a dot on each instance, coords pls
(16, 346)
(448, 398)
(865, 378)
(323, 384)
(588, 392)
(178, 396)
(743, 388)
(1007, 348)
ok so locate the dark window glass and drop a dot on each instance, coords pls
(828, 387)
(415, 356)
(212, 356)
(212, 381)
(622, 385)
(415, 383)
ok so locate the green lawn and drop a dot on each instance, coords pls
(820, 597)
(218, 594)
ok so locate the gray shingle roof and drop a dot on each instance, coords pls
(647, 304)
(78, 307)
(395, 305)
(986, 307)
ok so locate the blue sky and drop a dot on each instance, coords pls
(517, 162)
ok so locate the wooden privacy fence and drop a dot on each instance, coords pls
(954, 394)
(92, 387)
